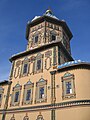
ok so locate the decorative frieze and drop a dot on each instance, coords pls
(61, 105)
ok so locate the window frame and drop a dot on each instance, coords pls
(17, 88)
(41, 84)
(28, 86)
(65, 79)
(38, 57)
(25, 62)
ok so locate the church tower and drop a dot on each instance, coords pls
(45, 82)
(47, 31)
(48, 46)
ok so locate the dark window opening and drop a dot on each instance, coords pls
(25, 68)
(28, 95)
(38, 64)
(16, 96)
(36, 39)
(53, 37)
(41, 92)
(68, 88)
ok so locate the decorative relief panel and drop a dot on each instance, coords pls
(48, 63)
(17, 72)
(18, 63)
(31, 65)
(48, 60)
(26, 117)
(54, 56)
(12, 118)
(12, 70)
(48, 53)
(40, 117)
(1, 95)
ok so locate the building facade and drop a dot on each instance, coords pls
(45, 82)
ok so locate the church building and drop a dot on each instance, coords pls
(45, 82)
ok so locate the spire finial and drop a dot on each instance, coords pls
(48, 11)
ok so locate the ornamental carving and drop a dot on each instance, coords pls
(18, 63)
(32, 58)
(48, 63)
(26, 117)
(48, 53)
(17, 72)
(12, 118)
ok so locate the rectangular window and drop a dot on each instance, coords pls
(38, 64)
(53, 37)
(28, 95)
(25, 68)
(41, 92)
(68, 88)
(36, 39)
(16, 96)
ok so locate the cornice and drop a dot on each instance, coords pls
(40, 48)
(69, 104)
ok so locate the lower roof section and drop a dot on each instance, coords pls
(73, 64)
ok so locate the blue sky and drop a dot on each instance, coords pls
(14, 15)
